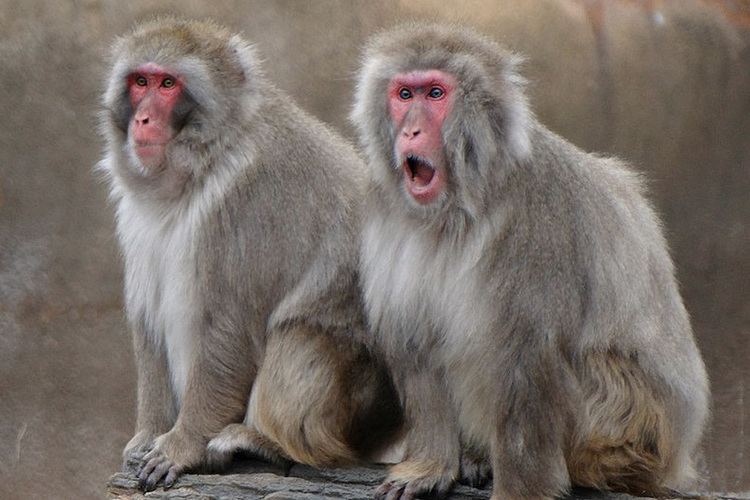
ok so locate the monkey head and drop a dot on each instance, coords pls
(437, 108)
(171, 97)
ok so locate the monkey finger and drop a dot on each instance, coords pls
(150, 480)
(150, 464)
(174, 473)
(382, 490)
(395, 491)
(396, 494)
(432, 486)
(407, 495)
(145, 469)
(413, 489)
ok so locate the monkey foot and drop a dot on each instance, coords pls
(156, 467)
(475, 471)
(170, 456)
(135, 451)
(240, 437)
(409, 487)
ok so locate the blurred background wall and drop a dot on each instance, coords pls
(664, 84)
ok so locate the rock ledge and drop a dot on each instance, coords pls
(250, 479)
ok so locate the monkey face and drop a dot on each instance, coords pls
(418, 104)
(155, 97)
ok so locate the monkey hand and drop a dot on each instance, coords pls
(171, 455)
(413, 479)
(136, 449)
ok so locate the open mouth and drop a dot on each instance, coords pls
(423, 181)
(419, 170)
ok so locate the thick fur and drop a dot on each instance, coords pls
(535, 306)
(240, 266)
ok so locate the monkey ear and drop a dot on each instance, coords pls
(246, 57)
(516, 113)
(502, 100)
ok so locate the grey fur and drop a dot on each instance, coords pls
(533, 311)
(240, 261)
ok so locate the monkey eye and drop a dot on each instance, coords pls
(436, 93)
(141, 81)
(404, 93)
(168, 82)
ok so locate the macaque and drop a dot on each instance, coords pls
(238, 217)
(520, 289)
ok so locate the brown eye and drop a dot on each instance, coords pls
(168, 82)
(436, 93)
(404, 93)
(141, 81)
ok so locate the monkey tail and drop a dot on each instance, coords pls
(624, 442)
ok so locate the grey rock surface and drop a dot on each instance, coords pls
(249, 479)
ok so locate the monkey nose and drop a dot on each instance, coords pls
(411, 133)
(142, 121)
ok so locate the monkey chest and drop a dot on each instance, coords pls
(160, 285)
(426, 290)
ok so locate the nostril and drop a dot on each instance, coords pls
(144, 121)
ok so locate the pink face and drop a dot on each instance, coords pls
(419, 102)
(153, 94)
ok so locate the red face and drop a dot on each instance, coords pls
(419, 103)
(153, 93)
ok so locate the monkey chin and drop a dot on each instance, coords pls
(423, 181)
(148, 159)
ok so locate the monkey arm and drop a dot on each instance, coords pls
(216, 395)
(156, 405)
(532, 403)
(432, 443)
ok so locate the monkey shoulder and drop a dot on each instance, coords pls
(577, 208)
(294, 144)
(586, 187)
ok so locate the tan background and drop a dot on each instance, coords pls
(665, 84)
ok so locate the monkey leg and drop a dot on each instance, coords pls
(433, 451)
(315, 400)
(527, 446)
(215, 396)
(157, 410)
(624, 440)
(243, 437)
(336, 386)
(302, 399)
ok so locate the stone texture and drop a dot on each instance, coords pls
(249, 479)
